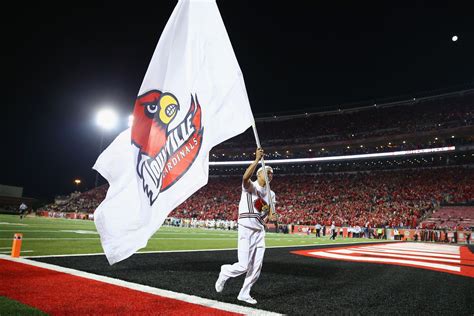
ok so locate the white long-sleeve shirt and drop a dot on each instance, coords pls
(249, 216)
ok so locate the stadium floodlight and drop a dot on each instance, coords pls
(107, 118)
(454, 38)
(77, 182)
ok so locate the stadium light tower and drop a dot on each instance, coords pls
(77, 182)
(106, 119)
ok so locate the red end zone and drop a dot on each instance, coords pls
(457, 260)
(60, 293)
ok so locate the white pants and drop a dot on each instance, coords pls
(251, 248)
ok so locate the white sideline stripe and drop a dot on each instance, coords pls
(53, 231)
(47, 238)
(13, 224)
(418, 253)
(21, 251)
(190, 250)
(137, 253)
(153, 238)
(80, 231)
(369, 259)
(231, 233)
(97, 238)
(376, 253)
(32, 231)
(148, 289)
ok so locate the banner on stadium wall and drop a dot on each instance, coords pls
(301, 229)
(406, 234)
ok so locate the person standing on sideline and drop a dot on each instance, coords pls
(318, 229)
(253, 211)
(396, 234)
(22, 210)
(333, 231)
(468, 237)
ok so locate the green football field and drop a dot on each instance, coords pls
(52, 236)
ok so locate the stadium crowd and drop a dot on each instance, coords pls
(85, 202)
(379, 198)
(385, 192)
(411, 117)
(398, 198)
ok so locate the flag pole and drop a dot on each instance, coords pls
(267, 184)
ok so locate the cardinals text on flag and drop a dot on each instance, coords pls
(192, 98)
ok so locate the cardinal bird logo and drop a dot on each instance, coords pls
(164, 154)
(261, 206)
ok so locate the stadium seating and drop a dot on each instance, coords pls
(413, 124)
(451, 217)
(408, 118)
(396, 191)
(394, 198)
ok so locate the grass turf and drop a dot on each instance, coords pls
(290, 284)
(54, 236)
(11, 307)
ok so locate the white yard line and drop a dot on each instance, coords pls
(14, 224)
(51, 231)
(72, 230)
(192, 250)
(59, 238)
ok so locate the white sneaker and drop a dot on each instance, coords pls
(220, 284)
(249, 300)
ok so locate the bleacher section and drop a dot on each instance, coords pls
(396, 191)
(451, 217)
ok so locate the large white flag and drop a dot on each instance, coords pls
(192, 98)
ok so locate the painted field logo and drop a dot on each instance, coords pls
(165, 155)
(452, 259)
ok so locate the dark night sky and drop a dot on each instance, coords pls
(60, 63)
